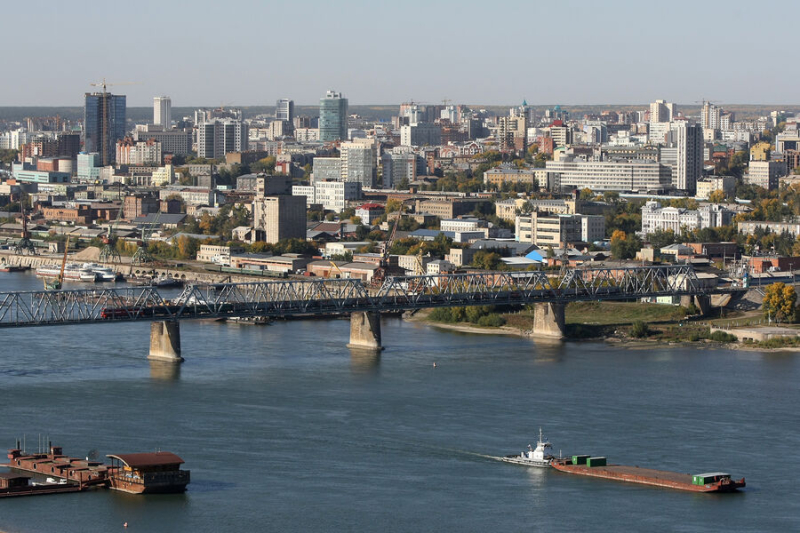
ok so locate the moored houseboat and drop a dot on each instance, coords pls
(147, 473)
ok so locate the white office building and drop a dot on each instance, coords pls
(602, 176)
(162, 111)
(678, 219)
(332, 195)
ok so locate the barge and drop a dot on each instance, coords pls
(136, 473)
(585, 465)
(20, 485)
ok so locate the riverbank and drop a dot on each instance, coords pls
(613, 322)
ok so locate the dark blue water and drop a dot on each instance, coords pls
(285, 429)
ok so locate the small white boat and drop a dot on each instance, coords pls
(87, 275)
(539, 456)
(102, 273)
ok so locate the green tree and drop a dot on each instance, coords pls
(264, 166)
(488, 260)
(661, 238)
(779, 302)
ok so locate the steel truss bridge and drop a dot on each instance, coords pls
(320, 297)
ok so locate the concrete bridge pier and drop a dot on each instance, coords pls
(365, 331)
(165, 341)
(548, 321)
(701, 301)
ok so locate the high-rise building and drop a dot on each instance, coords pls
(216, 138)
(284, 110)
(332, 117)
(279, 217)
(103, 124)
(162, 111)
(359, 161)
(662, 111)
(688, 139)
(421, 134)
(710, 116)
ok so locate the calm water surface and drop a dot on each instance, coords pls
(285, 429)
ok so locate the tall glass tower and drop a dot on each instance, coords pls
(103, 124)
(333, 117)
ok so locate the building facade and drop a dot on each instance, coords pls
(557, 231)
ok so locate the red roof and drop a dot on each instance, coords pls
(137, 460)
(371, 206)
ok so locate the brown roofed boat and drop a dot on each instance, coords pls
(147, 473)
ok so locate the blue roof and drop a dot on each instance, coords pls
(536, 256)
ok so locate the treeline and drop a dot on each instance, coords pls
(481, 315)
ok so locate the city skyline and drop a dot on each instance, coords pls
(574, 53)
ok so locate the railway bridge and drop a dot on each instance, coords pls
(547, 291)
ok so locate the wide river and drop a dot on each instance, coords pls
(284, 429)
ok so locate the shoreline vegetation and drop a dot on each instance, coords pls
(632, 325)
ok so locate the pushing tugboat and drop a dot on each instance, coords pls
(538, 457)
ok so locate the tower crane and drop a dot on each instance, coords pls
(105, 84)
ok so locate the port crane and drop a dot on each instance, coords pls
(141, 255)
(56, 284)
(109, 252)
(25, 242)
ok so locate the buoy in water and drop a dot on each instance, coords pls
(434, 364)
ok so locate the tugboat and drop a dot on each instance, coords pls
(538, 457)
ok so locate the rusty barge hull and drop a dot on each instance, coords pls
(648, 476)
(40, 490)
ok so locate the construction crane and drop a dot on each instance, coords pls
(56, 284)
(109, 252)
(335, 267)
(25, 242)
(104, 84)
(383, 267)
(141, 255)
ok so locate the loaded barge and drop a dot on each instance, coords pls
(137, 473)
(585, 465)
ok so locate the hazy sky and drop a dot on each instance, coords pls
(203, 52)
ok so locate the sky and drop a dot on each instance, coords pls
(240, 53)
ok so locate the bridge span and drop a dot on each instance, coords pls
(548, 291)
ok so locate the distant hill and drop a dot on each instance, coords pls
(385, 112)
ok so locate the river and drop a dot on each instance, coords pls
(285, 429)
